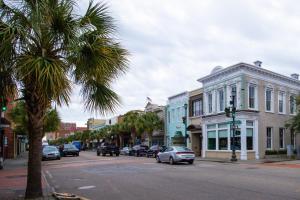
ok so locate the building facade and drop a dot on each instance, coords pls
(95, 124)
(158, 136)
(265, 101)
(176, 109)
(195, 120)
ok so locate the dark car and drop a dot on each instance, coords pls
(140, 150)
(70, 149)
(153, 151)
(106, 148)
(50, 153)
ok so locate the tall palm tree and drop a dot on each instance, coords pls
(151, 123)
(130, 124)
(45, 48)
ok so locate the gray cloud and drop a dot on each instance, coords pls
(174, 42)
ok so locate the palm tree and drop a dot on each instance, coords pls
(45, 48)
(130, 123)
(151, 123)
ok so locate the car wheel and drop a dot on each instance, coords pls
(191, 162)
(103, 154)
(117, 154)
(77, 154)
(158, 159)
(58, 158)
(110, 154)
(98, 154)
(171, 160)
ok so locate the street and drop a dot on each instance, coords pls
(134, 178)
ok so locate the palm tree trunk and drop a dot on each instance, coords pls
(35, 113)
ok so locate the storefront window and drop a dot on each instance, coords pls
(249, 138)
(223, 139)
(235, 140)
(211, 140)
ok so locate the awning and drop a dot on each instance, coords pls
(193, 127)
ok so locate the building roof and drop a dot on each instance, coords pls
(251, 67)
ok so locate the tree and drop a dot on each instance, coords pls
(19, 117)
(130, 124)
(151, 123)
(294, 122)
(45, 48)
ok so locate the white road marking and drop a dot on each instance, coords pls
(86, 187)
(48, 173)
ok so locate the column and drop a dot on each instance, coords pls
(204, 140)
(243, 140)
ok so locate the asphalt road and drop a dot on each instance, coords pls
(130, 178)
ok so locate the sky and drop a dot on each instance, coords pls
(172, 43)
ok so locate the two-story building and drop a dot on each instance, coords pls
(176, 109)
(158, 136)
(195, 120)
(265, 100)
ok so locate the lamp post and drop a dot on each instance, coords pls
(233, 111)
(184, 120)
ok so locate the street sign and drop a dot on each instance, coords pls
(4, 126)
(236, 122)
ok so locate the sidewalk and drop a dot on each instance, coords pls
(13, 179)
(260, 161)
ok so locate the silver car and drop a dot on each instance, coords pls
(126, 151)
(175, 154)
(50, 152)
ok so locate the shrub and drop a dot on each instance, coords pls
(271, 152)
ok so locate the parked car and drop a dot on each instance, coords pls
(174, 154)
(127, 151)
(153, 151)
(70, 149)
(106, 148)
(50, 153)
(140, 150)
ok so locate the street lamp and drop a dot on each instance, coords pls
(233, 111)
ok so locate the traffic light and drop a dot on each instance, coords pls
(3, 103)
(227, 112)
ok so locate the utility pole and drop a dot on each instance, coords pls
(232, 110)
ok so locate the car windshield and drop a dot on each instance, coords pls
(182, 149)
(49, 148)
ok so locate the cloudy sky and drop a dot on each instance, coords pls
(174, 42)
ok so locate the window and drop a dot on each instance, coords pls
(249, 134)
(281, 102)
(236, 140)
(173, 115)
(209, 102)
(293, 141)
(292, 104)
(269, 99)
(281, 138)
(197, 108)
(221, 100)
(252, 96)
(211, 140)
(168, 116)
(233, 88)
(178, 114)
(269, 138)
(223, 139)
(249, 138)
(201, 106)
